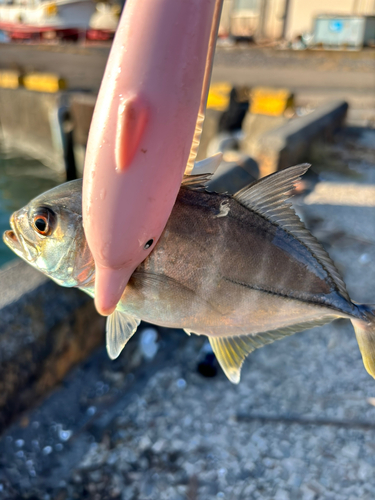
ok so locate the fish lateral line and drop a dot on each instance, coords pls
(256, 288)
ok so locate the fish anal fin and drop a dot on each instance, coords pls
(268, 197)
(232, 351)
(229, 356)
(120, 328)
(365, 334)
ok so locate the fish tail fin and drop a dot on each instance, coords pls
(365, 333)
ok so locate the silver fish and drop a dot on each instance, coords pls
(242, 270)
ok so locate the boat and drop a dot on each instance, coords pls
(46, 19)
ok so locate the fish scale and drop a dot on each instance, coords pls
(242, 270)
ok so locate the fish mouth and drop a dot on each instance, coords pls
(18, 243)
(11, 240)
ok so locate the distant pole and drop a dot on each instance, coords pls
(286, 14)
(262, 18)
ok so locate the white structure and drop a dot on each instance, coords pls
(58, 14)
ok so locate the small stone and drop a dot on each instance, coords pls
(148, 343)
(19, 443)
(65, 435)
(307, 493)
(91, 410)
(351, 451)
(282, 495)
(181, 383)
(47, 450)
(364, 259)
(365, 471)
(158, 446)
(144, 443)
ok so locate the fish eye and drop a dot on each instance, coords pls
(43, 221)
(148, 244)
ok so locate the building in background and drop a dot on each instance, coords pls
(289, 19)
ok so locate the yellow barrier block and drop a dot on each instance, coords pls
(44, 82)
(271, 102)
(218, 96)
(10, 79)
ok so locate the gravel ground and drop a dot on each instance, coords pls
(299, 426)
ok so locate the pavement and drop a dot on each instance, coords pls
(314, 75)
(299, 426)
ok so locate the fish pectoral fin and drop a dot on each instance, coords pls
(232, 351)
(120, 328)
(208, 165)
(196, 182)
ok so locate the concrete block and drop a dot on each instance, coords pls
(271, 102)
(44, 330)
(31, 123)
(254, 127)
(10, 79)
(231, 176)
(81, 110)
(44, 82)
(218, 96)
(290, 143)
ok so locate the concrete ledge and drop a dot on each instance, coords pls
(289, 144)
(44, 330)
(31, 123)
(81, 110)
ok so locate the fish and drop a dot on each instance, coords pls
(241, 269)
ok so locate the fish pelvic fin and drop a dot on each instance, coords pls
(232, 351)
(365, 334)
(120, 327)
(269, 197)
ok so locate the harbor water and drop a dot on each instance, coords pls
(21, 180)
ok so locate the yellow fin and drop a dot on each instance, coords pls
(232, 351)
(230, 356)
(365, 333)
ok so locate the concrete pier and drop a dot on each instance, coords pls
(43, 333)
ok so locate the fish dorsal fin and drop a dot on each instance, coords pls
(196, 182)
(232, 351)
(120, 328)
(202, 173)
(208, 165)
(268, 197)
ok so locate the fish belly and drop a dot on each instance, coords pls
(222, 309)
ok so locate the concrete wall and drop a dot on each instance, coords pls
(44, 330)
(31, 123)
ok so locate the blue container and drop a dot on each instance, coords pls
(344, 31)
